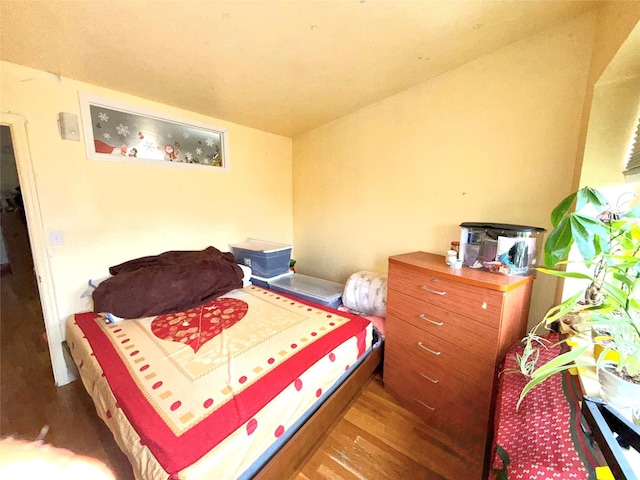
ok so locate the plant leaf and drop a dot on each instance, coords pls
(623, 279)
(541, 378)
(582, 237)
(562, 309)
(558, 244)
(560, 273)
(562, 209)
(593, 225)
(588, 195)
(618, 295)
(557, 364)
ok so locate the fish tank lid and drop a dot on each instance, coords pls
(502, 226)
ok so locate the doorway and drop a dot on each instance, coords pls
(34, 247)
(24, 351)
(17, 259)
(19, 281)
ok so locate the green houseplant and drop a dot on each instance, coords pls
(608, 241)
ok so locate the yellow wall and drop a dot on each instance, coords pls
(494, 140)
(615, 21)
(110, 212)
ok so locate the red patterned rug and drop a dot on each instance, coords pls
(544, 439)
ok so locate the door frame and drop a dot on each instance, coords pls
(37, 240)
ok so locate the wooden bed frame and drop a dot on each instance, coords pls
(301, 446)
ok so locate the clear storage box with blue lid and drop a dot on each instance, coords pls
(312, 289)
(501, 247)
(266, 259)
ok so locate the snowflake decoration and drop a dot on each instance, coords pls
(106, 135)
(198, 151)
(209, 142)
(122, 129)
(169, 135)
(186, 135)
(188, 156)
(149, 145)
(103, 117)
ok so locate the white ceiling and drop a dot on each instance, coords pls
(279, 66)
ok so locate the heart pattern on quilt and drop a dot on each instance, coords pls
(196, 326)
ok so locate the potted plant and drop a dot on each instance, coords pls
(608, 241)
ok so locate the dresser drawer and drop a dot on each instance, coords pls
(437, 358)
(441, 391)
(475, 337)
(478, 303)
(461, 417)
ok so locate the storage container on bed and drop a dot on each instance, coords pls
(266, 259)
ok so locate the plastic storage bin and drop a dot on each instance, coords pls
(501, 247)
(266, 259)
(311, 289)
(265, 282)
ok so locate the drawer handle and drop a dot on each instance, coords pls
(432, 380)
(431, 290)
(421, 345)
(424, 317)
(424, 404)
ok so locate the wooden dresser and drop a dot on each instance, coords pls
(446, 333)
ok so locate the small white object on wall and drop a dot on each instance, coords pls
(68, 126)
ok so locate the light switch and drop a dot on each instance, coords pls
(68, 126)
(56, 237)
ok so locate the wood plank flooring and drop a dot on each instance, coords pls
(378, 439)
(375, 438)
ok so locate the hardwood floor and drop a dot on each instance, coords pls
(375, 439)
(378, 439)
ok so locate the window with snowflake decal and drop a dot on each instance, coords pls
(113, 131)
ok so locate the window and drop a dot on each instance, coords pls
(633, 163)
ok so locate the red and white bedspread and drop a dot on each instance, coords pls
(202, 393)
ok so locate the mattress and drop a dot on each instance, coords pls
(211, 392)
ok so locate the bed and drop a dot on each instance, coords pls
(242, 386)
